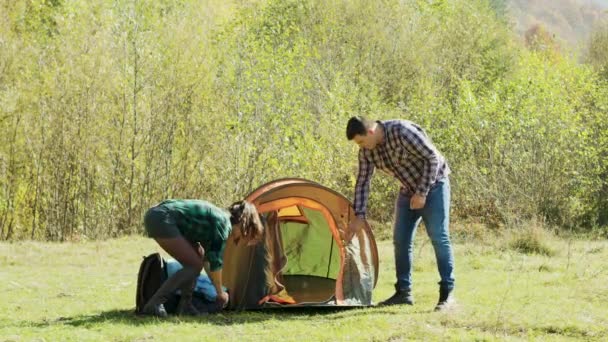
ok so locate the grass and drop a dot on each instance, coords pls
(85, 292)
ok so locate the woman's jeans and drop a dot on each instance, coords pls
(436, 217)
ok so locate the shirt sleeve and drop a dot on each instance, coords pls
(366, 170)
(415, 141)
(220, 230)
(215, 255)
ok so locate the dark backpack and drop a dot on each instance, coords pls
(151, 275)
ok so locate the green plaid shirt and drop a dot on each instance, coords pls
(201, 221)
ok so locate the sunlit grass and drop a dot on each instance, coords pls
(85, 292)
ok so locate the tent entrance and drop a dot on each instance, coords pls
(311, 262)
(309, 289)
(324, 270)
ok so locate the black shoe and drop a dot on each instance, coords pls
(446, 299)
(400, 297)
(157, 310)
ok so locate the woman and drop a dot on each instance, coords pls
(192, 231)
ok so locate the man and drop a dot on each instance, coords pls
(403, 150)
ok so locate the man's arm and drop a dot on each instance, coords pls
(366, 170)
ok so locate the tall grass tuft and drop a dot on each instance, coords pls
(534, 239)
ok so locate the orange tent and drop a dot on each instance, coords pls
(303, 260)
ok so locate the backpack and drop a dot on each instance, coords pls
(151, 275)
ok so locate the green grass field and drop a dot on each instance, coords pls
(85, 292)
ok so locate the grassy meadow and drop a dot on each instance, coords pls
(108, 107)
(521, 285)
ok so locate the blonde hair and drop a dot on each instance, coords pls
(246, 214)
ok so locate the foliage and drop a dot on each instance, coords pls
(108, 107)
(598, 49)
(532, 240)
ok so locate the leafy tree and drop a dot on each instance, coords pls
(598, 49)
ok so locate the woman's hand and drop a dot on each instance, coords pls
(222, 299)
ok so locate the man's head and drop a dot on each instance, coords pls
(363, 132)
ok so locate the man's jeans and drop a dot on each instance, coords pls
(436, 217)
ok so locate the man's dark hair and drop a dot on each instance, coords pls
(357, 125)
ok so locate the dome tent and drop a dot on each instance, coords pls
(302, 260)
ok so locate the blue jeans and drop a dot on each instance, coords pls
(436, 217)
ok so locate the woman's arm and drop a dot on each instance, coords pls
(216, 279)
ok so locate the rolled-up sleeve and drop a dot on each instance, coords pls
(215, 255)
(219, 231)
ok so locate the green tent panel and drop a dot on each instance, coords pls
(303, 260)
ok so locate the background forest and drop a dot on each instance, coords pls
(569, 21)
(109, 106)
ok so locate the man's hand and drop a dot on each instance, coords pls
(222, 299)
(353, 228)
(417, 201)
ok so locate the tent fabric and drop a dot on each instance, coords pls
(301, 241)
(303, 256)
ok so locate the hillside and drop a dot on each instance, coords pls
(571, 21)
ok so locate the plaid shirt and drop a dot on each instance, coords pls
(407, 154)
(201, 221)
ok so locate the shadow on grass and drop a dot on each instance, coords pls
(224, 318)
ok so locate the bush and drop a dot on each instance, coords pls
(104, 113)
(532, 240)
